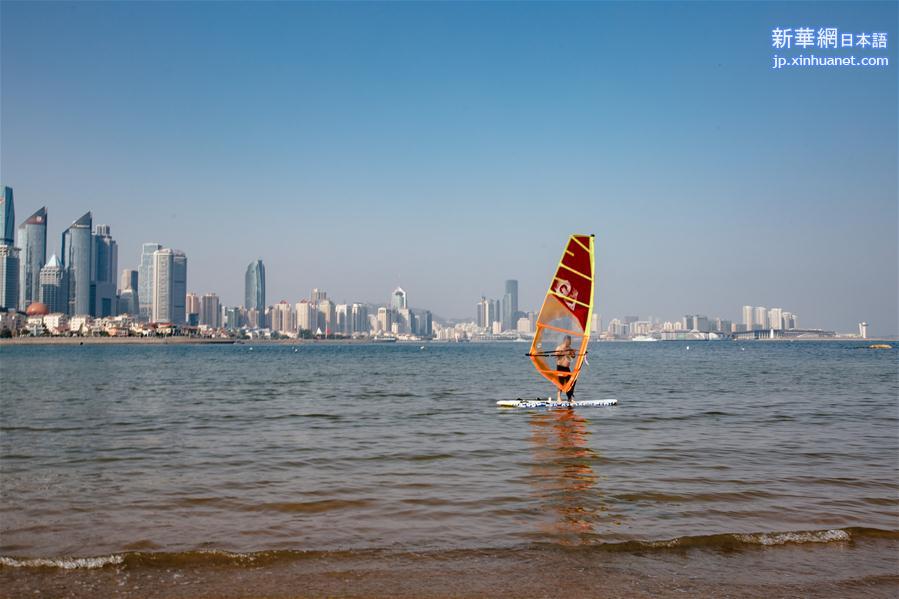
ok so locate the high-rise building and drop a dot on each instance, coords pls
(7, 216)
(318, 295)
(179, 286)
(128, 279)
(360, 319)
(254, 289)
(327, 317)
(863, 330)
(424, 324)
(307, 316)
(169, 286)
(385, 320)
(9, 277)
(747, 318)
(9, 254)
(760, 319)
(403, 321)
(510, 305)
(145, 279)
(32, 244)
(103, 274)
(283, 318)
(487, 313)
(233, 318)
(128, 286)
(192, 309)
(790, 320)
(53, 286)
(398, 299)
(775, 318)
(210, 311)
(77, 260)
(344, 319)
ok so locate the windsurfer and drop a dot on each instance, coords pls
(564, 353)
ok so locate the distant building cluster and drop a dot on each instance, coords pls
(316, 316)
(80, 291)
(69, 290)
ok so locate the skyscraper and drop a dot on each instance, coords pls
(7, 216)
(318, 295)
(105, 269)
(192, 309)
(179, 286)
(385, 319)
(210, 311)
(77, 252)
(145, 279)
(32, 244)
(760, 320)
(128, 300)
(307, 316)
(398, 299)
(169, 286)
(254, 290)
(9, 254)
(360, 319)
(9, 277)
(510, 305)
(53, 286)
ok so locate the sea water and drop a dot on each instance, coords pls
(110, 451)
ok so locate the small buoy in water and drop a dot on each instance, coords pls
(742, 349)
(422, 347)
(688, 347)
(295, 350)
(251, 349)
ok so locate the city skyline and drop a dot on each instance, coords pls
(106, 274)
(446, 178)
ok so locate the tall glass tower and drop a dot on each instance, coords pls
(7, 216)
(77, 254)
(9, 254)
(32, 243)
(398, 299)
(254, 287)
(510, 305)
(105, 269)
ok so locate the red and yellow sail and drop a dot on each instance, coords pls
(567, 310)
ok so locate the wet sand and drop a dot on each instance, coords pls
(867, 568)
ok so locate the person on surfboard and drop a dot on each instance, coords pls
(564, 353)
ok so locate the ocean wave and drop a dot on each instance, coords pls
(64, 563)
(213, 557)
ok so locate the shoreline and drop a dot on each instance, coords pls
(176, 340)
(860, 567)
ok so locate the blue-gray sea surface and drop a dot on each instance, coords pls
(110, 449)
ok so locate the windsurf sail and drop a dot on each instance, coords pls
(567, 310)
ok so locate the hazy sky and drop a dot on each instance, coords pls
(447, 147)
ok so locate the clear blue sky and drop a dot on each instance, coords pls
(447, 147)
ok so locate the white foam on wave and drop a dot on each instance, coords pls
(72, 563)
(782, 538)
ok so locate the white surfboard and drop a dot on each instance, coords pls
(549, 403)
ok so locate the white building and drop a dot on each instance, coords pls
(747, 317)
(760, 321)
(169, 287)
(306, 316)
